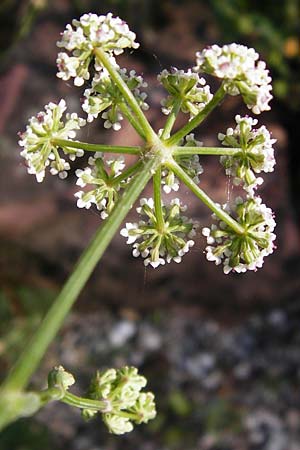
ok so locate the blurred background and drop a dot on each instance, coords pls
(222, 353)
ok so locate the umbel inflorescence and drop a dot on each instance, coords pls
(115, 394)
(243, 232)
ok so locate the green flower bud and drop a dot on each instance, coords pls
(61, 380)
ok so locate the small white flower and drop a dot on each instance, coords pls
(39, 150)
(129, 232)
(67, 66)
(157, 246)
(84, 201)
(116, 165)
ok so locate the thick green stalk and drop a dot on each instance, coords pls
(34, 351)
(97, 147)
(219, 151)
(128, 95)
(157, 199)
(171, 119)
(219, 95)
(205, 198)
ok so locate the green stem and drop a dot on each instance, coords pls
(220, 151)
(130, 98)
(97, 147)
(171, 119)
(127, 173)
(157, 199)
(82, 402)
(206, 199)
(131, 119)
(219, 95)
(34, 351)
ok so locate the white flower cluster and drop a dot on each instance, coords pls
(84, 35)
(160, 246)
(190, 164)
(256, 155)
(40, 150)
(105, 96)
(106, 188)
(188, 87)
(241, 71)
(242, 252)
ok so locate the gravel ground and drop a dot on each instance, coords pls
(233, 386)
